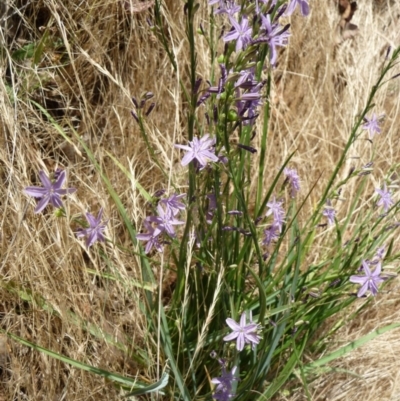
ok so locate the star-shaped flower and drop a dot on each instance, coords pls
(242, 332)
(225, 7)
(95, 230)
(275, 35)
(152, 237)
(271, 234)
(386, 198)
(199, 150)
(165, 220)
(50, 193)
(241, 32)
(223, 390)
(369, 281)
(276, 209)
(372, 125)
(174, 203)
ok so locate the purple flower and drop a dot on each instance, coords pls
(304, 7)
(275, 35)
(386, 198)
(247, 102)
(174, 203)
(372, 125)
(223, 390)
(329, 212)
(201, 150)
(165, 220)
(294, 180)
(247, 107)
(225, 7)
(240, 32)
(271, 234)
(369, 281)
(151, 237)
(246, 79)
(244, 334)
(95, 231)
(276, 209)
(50, 193)
(252, 95)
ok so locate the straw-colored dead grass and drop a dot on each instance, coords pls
(95, 55)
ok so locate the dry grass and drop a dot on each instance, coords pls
(97, 54)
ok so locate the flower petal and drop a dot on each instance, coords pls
(305, 9)
(232, 324)
(56, 201)
(240, 342)
(362, 290)
(231, 336)
(187, 158)
(377, 271)
(243, 320)
(42, 204)
(357, 279)
(91, 220)
(366, 268)
(45, 180)
(253, 338)
(60, 180)
(184, 147)
(36, 192)
(373, 287)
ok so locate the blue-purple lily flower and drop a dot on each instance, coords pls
(225, 7)
(152, 237)
(271, 234)
(241, 32)
(51, 192)
(174, 203)
(386, 198)
(275, 35)
(243, 333)
(224, 384)
(200, 150)
(276, 210)
(370, 280)
(165, 220)
(94, 232)
(372, 125)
